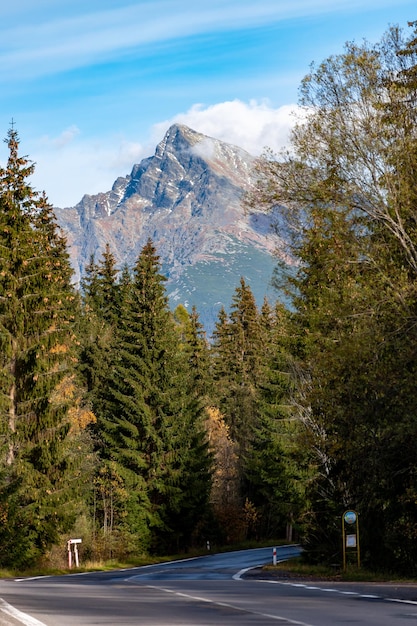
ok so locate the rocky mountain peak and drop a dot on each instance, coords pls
(187, 145)
(187, 198)
(178, 138)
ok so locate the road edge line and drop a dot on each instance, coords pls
(24, 618)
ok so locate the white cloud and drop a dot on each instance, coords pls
(66, 137)
(67, 171)
(253, 126)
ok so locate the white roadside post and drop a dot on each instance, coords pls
(274, 556)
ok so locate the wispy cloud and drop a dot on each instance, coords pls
(65, 138)
(54, 42)
(85, 80)
(82, 166)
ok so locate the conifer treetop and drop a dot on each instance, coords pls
(13, 178)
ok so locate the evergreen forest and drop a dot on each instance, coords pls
(123, 424)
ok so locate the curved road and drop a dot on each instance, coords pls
(216, 590)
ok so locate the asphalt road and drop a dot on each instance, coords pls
(216, 590)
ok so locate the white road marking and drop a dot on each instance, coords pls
(403, 601)
(277, 618)
(368, 596)
(24, 618)
(239, 575)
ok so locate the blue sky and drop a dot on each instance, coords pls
(93, 86)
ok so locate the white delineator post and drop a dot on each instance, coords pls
(274, 556)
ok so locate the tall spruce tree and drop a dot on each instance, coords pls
(150, 425)
(107, 296)
(101, 295)
(37, 357)
(273, 468)
(237, 354)
(196, 348)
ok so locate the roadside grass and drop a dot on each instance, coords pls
(88, 566)
(139, 561)
(298, 568)
(293, 568)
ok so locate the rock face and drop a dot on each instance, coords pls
(188, 199)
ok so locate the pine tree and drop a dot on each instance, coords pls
(237, 364)
(98, 326)
(38, 356)
(272, 471)
(221, 355)
(196, 349)
(108, 296)
(149, 424)
(89, 283)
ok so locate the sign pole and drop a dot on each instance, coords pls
(69, 555)
(350, 539)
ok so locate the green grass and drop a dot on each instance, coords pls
(297, 568)
(113, 564)
(89, 566)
